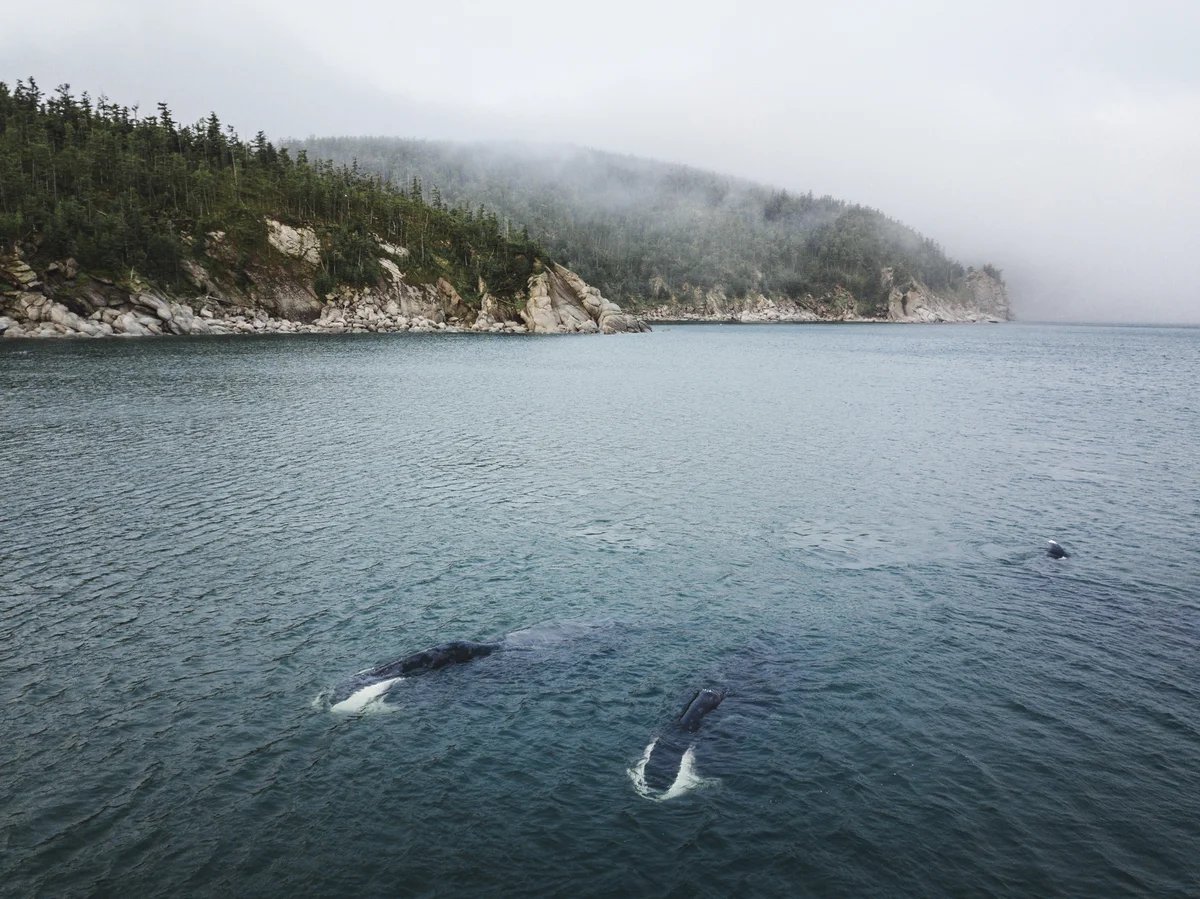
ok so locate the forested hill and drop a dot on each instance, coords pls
(648, 233)
(130, 195)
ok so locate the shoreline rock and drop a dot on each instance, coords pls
(980, 298)
(279, 300)
(63, 302)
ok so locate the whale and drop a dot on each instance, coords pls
(1055, 551)
(667, 767)
(356, 693)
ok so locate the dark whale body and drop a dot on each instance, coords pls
(434, 658)
(662, 766)
(702, 703)
(421, 662)
(1055, 551)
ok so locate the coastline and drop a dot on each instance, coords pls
(273, 295)
(63, 302)
(857, 320)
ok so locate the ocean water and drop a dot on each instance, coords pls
(843, 526)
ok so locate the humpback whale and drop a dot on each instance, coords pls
(354, 694)
(666, 769)
(1055, 551)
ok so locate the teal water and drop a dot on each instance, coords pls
(842, 525)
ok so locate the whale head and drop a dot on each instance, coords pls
(1055, 551)
(702, 703)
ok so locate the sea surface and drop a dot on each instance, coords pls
(843, 525)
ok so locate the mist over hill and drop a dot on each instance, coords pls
(649, 233)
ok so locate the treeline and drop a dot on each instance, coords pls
(646, 231)
(123, 192)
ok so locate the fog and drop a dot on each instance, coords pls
(1060, 143)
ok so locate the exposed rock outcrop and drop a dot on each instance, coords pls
(561, 303)
(276, 297)
(980, 297)
(298, 243)
(989, 295)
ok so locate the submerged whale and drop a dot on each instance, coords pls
(1055, 551)
(357, 692)
(667, 768)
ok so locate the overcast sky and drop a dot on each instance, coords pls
(1058, 140)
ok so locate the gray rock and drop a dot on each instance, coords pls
(127, 324)
(60, 315)
(181, 319)
(560, 302)
(157, 305)
(19, 274)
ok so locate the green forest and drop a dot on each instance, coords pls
(646, 232)
(126, 193)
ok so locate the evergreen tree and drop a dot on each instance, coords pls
(122, 193)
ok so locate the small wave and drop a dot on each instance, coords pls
(836, 548)
(550, 633)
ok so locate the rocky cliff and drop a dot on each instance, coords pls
(980, 298)
(560, 302)
(273, 292)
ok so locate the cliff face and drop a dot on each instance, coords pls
(561, 303)
(272, 292)
(980, 298)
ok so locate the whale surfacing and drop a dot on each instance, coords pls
(1055, 551)
(667, 767)
(702, 703)
(364, 688)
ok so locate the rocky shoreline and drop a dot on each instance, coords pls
(273, 295)
(658, 317)
(148, 315)
(62, 301)
(981, 298)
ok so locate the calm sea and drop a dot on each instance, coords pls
(844, 526)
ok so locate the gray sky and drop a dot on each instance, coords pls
(1060, 141)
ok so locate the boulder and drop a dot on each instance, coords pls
(155, 304)
(59, 314)
(181, 320)
(127, 324)
(29, 306)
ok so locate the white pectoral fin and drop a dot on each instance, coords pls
(359, 700)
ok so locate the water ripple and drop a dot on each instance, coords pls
(843, 526)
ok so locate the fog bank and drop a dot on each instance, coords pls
(1059, 144)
